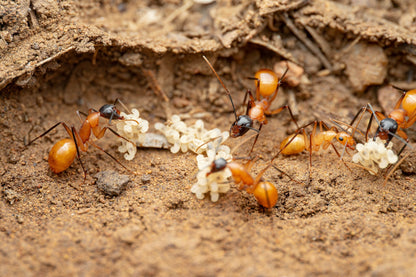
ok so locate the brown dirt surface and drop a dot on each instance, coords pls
(58, 57)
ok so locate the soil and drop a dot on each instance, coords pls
(58, 57)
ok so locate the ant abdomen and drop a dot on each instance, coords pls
(62, 155)
(266, 81)
(266, 194)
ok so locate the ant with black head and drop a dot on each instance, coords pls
(401, 117)
(265, 192)
(63, 153)
(267, 87)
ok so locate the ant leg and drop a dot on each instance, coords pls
(255, 140)
(112, 157)
(68, 130)
(410, 121)
(257, 87)
(100, 133)
(250, 102)
(336, 151)
(395, 167)
(271, 99)
(311, 147)
(399, 102)
(79, 115)
(75, 138)
(403, 136)
(287, 175)
(267, 112)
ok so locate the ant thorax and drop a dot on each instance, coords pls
(257, 111)
(398, 115)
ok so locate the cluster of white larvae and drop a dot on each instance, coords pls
(374, 154)
(216, 182)
(184, 138)
(134, 129)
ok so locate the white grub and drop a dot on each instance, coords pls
(374, 155)
(216, 182)
(185, 138)
(132, 130)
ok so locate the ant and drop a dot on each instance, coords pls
(265, 192)
(402, 117)
(267, 87)
(398, 119)
(63, 153)
(299, 141)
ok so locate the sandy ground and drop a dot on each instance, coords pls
(58, 58)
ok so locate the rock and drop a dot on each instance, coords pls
(366, 64)
(111, 183)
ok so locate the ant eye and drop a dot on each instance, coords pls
(341, 138)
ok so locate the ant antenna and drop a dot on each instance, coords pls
(401, 89)
(283, 76)
(122, 104)
(223, 85)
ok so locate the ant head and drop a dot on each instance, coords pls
(241, 126)
(110, 112)
(217, 165)
(346, 139)
(388, 126)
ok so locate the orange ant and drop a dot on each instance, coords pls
(265, 192)
(299, 141)
(398, 119)
(402, 117)
(267, 87)
(63, 153)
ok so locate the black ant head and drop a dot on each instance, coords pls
(388, 127)
(217, 165)
(110, 112)
(241, 126)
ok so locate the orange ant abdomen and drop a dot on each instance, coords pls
(266, 194)
(409, 101)
(296, 146)
(268, 81)
(62, 155)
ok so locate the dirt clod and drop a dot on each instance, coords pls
(111, 182)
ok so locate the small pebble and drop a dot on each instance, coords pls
(146, 178)
(111, 183)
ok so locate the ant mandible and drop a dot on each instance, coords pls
(63, 153)
(267, 87)
(299, 141)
